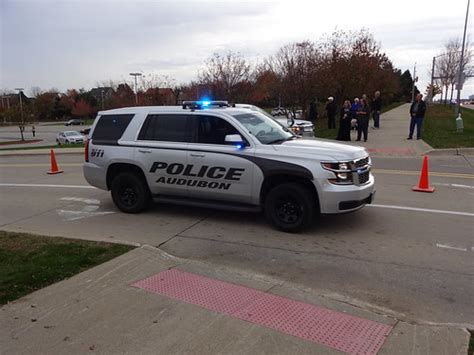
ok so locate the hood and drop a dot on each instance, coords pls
(337, 151)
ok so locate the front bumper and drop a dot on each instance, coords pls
(345, 198)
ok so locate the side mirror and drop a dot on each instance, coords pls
(235, 139)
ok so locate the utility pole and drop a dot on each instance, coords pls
(22, 125)
(461, 62)
(432, 81)
(136, 93)
(413, 87)
(102, 98)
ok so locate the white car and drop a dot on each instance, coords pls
(69, 137)
(209, 154)
(300, 127)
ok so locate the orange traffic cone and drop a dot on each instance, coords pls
(424, 184)
(54, 165)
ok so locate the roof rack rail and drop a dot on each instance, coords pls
(199, 105)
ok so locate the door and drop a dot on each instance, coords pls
(219, 171)
(161, 150)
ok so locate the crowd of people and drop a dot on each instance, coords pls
(354, 115)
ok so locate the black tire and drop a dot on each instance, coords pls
(289, 207)
(130, 193)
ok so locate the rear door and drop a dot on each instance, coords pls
(161, 150)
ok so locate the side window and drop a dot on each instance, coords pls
(211, 129)
(110, 128)
(165, 128)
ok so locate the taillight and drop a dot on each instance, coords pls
(86, 151)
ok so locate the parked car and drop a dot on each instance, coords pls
(74, 122)
(283, 111)
(300, 127)
(86, 131)
(69, 137)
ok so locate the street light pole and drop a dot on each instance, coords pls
(20, 90)
(102, 98)
(136, 92)
(413, 87)
(461, 61)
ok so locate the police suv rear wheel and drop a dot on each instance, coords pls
(130, 193)
(289, 207)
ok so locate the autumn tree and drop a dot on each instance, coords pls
(82, 108)
(227, 76)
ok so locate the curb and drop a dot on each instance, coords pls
(450, 151)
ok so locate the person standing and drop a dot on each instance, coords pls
(33, 130)
(363, 113)
(344, 133)
(354, 107)
(331, 112)
(376, 109)
(417, 113)
(313, 111)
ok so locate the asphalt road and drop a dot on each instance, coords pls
(410, 254)
(46, 133)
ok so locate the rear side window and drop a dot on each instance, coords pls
(110, 128)
(165, 128)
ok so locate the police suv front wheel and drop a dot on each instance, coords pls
(289, 207)
(130, 193)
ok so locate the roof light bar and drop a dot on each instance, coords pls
(199, 105)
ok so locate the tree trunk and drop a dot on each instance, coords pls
(446, 95)
(452, 91)
(21, 132)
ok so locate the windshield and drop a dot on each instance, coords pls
(71, 133)
(265, 129)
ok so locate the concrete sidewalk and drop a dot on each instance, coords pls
(99, 311)
(391, 138)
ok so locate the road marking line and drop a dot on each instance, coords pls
(35, 165)
(75, 215)
(422, 210)
(80, 199)
(450, 247)
(454, 185)
(417, 173)
(48, 185)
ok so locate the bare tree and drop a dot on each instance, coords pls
(449, 64)
(295, 66)
(225, 75)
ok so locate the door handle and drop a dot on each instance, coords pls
(144, 150)
(199, 155)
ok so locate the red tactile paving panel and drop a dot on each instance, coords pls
(320, 325)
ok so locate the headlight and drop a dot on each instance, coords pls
(341, 170)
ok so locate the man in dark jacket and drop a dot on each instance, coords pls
(417, 113)
(331, 112)
(313, 110)
(376, 107)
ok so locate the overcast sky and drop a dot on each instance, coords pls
(79, 43)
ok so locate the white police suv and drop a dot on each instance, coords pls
(210, 154)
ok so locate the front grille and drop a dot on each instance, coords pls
(364, 177)
(361, 162)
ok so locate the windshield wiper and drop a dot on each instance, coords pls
(281, 140)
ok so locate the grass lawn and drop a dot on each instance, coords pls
(29, 262)
(439, 128)
(322, 130)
